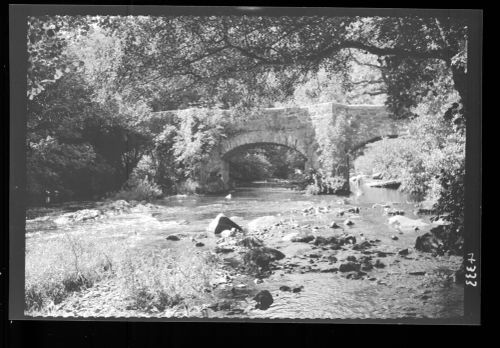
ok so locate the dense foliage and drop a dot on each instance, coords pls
(93, 83)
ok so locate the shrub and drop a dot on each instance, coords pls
(312, 189)
(188, 187)
(319, 183)
(139, 190)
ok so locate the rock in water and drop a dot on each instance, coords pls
(377, 176)
(222, 223)
(264, 300)
(348, 222)
(334, 225)
(251, 242)
(428, 243)
(262, 257)
(173, 237)
(349, 267)
(229, 196)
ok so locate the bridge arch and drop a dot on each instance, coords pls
(312, 130)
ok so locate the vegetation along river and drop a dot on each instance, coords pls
(395, 280)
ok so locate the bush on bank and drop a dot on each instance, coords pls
(429, 161)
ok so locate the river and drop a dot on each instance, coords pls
(388, 292)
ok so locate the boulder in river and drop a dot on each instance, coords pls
(262, 257)
(404, 252)
(377, 176)
(429, 243)
(349, 267)
(334, 225)
(348, 222)
(221, 223)
(251, 242)
(264, 300)
(173, 237)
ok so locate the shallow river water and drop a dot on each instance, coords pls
(389, 292)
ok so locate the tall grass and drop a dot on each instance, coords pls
(63, 265)
(57, 267)
(158, 280)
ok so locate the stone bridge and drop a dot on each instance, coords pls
(310, 130)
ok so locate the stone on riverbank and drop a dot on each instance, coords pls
(429, 243)
(264, 300)
(262, 257)
(221, 223)
(404, 252)
(405, 223)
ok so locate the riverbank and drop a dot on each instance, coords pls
(332, 268)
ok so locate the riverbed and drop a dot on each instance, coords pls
(406, 283)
